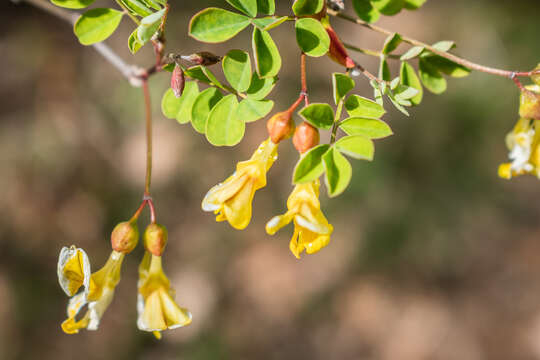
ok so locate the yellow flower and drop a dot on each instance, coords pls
(98, 292)
(523, 143)
(232, 199)
(157, 310)
(311, 229)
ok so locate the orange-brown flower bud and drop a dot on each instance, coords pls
(204, 58)
(529, 107)
(337, 51)
(178, 81)
(155, 239)
(280, 126)
(125, 237)
(305, 137)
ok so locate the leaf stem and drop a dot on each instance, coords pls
(148, 106)
(335, 127)
(469, 64)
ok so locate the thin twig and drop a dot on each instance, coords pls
(469, 64)
(131, 72)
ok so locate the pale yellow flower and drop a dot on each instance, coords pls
(157, 310)
(97, 294)
(522, 142)
(311, 229)
(232, 199)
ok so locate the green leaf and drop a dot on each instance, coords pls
(444, 45)
(269, 23)
(196, 73)
(338, 172)
(133, 43)
(248, 7)
(370, 128)
(318, 115)
(260, 88)
(310, 166)
(358, 106)
(366, 11)
(251, 110)
(391, 43)
(215, 25)
(409, 78)
(414, 4)
(156, 5)
(73, 4)
(136, 7)
(388, 7)
(149, 26)
(237, 69)
(180, 108)
(413, 52)
(96, 25)
(223, 127)
(307, 7)
(266, 7)
(448, 67)
(212, 79)
(202, 105)
(342, 84)
(311, 37)
(431, 77)
(265, 51)
(404, 92)
(356, 146)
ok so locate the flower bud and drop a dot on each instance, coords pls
(337, 51)
(305, 137)
(280, 126)
(155, 239)
(125, 237)
(178, 81)
(529, 107)
(204, 58)
(536, 77)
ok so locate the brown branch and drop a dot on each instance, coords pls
(469, 64)
(132, 73)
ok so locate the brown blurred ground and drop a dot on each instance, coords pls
(433, 257)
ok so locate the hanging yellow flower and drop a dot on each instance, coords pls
(522, 142)
(98, 294)
(232, 199)
(155, 305)
(311, 229)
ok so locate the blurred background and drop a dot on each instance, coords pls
(432, 257)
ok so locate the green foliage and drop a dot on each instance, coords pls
(149, 26)
(371, 10)
(356, 146)
(362, 107)
(214, 25)
(370, 128)
(307, 7)
(250, 110)
(312, 38)
(237, 69)
(341, 84)
(265, 51)
(96, 25)
(223, 127)
(338, 172)
(202, 106)
(73, 4)
(269, 23)
(260, 87)
(137, 7)
(310, 166)
(318, 115)
(248, 7)
(266, 7)
(409, 78)
(180, 108)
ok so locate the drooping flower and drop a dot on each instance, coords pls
(522, 142)
(311, 229)
(98, 289)
(232, 199)
(156, 308)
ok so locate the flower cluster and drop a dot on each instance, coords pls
(157, 310)
(232, 199)
(523, 141)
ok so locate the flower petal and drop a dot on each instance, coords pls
(73, 270)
